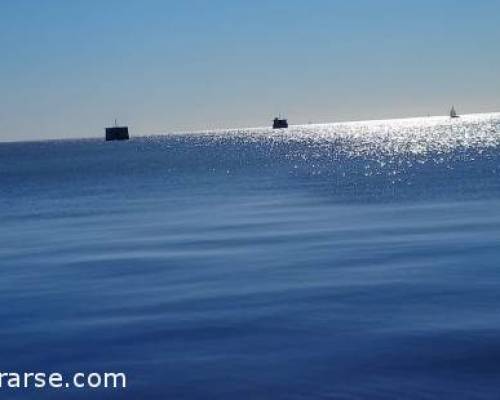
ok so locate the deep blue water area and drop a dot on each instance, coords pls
(344, 261)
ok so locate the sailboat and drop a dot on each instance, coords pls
(453, 113)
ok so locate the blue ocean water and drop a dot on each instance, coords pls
(342, 261)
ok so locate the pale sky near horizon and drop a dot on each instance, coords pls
(69, 68)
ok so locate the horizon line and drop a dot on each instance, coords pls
(198, 131)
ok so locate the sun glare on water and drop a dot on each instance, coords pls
(417, 136)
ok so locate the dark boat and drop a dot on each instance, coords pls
(117, 133)
(279, 123)
(453, 113)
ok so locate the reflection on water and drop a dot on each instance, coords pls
(326, 261)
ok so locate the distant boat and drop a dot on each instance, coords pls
(117, 133)
(453, 113)
(280, 123)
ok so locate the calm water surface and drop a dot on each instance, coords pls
(346, 261)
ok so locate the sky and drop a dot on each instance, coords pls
(68, 68)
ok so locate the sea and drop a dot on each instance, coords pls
(337, 261)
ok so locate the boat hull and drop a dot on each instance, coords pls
(117, 133)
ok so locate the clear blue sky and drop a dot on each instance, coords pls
(69, 67)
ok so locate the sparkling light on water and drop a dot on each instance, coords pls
(414, 136)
